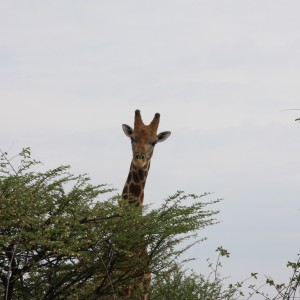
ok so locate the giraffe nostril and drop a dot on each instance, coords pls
(139, 156)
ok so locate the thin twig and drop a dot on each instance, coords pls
(10, 271)
(8, 161)
(290, 109)
(106, 270)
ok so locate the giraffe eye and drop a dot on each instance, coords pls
(153, 143)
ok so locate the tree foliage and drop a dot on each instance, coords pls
(59, 240)
(178, 284)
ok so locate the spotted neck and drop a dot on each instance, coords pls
(133, 190)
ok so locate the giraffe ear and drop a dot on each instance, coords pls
(127, 130)
(161, 137)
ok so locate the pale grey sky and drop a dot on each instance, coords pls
(219, 72)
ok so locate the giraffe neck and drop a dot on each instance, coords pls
(134, 187)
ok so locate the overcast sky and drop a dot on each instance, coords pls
(219, 72)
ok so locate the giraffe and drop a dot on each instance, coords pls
(143, 139)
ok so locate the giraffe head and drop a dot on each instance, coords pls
(144, 138)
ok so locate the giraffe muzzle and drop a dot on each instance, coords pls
(139, 156)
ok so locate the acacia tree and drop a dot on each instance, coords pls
(59, 240)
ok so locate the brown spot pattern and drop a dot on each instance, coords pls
(134, 189)
(141, 174)
(135, 176)
(129, 178)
